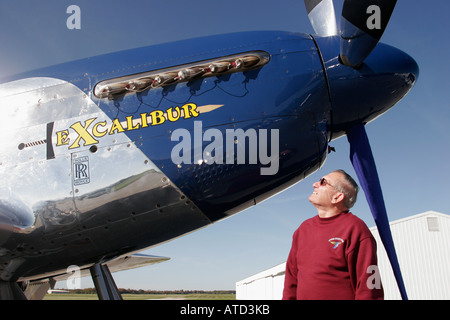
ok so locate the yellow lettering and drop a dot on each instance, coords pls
(100, 129)
(157, 117)
(190, 110)
(144, 120)
(83, 134)
(130, 124)
(62, 138)
(96, 133)
(116, 126)
(170, 114)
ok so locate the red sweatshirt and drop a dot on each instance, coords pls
(332, 259)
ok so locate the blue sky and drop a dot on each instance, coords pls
(410, 142)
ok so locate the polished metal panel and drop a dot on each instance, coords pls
(64, 197)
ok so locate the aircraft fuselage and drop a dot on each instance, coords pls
(93, 171)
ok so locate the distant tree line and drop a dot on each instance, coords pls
(141, 291)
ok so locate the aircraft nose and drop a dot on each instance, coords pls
(395, 62)
(411, 65)
(361, 95)
(394, 74)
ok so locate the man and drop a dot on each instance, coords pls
(333, 254)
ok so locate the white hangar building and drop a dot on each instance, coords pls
(422, 244)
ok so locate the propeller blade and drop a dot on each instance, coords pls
(322, 16)
(362, 159)
(363, 23)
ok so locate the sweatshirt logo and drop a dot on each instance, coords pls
(336, 242)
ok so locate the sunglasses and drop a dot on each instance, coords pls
(324, 181)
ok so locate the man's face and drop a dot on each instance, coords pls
(324, 191)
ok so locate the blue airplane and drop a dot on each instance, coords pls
(104, 157)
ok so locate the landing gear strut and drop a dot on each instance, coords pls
(104, 283)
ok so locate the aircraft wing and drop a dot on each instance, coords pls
(137, 260)
(36, 290)
(122, 263)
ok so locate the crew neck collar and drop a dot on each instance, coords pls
(330, 219)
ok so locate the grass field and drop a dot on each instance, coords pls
(144, 296)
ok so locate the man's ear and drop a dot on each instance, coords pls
(338, 197)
